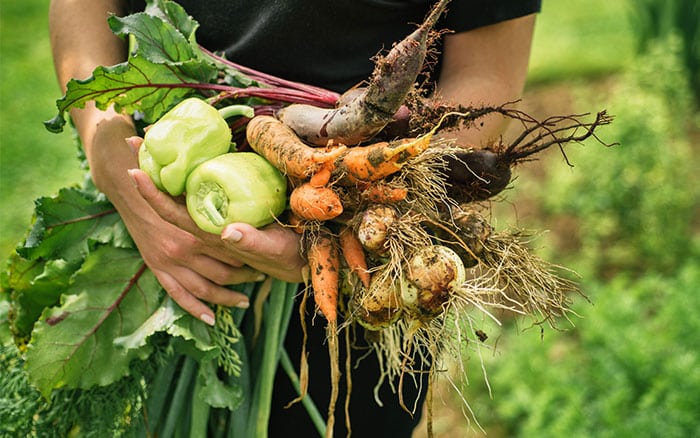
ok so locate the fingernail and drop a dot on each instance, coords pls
(243, 304)
(260, 277)
(231, 234)
(207, 319)
(131, 175)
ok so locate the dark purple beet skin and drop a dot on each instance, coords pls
(476, 175)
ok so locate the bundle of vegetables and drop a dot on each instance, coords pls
(392, 217)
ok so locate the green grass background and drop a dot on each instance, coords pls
(33, 162)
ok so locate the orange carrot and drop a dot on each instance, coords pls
(283, 149)
(324, 265)
(378, 160)
(322, 176)
(354, 255)
(315, 203)
(379, 193)
(295, 222)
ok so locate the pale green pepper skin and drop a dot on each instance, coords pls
(189, 134)
(235, 187)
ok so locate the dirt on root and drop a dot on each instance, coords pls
(448, 418)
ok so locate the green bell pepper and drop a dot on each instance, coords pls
(235, 187)
(189, 134)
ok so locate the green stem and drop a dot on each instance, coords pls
(308, 403)
(184, 383)
(236, 110)
(238, 419)
(158, 399)
(276, 320)
(200, 412)
(210, 207)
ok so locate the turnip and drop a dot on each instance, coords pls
(433, 273)
(380, 306)
(374, 227)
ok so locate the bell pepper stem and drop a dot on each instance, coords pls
(210, 207)
(236, 110)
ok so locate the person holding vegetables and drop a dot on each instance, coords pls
(482, 60)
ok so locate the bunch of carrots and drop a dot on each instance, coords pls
(390, 224)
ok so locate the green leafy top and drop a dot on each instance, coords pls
(166, 64)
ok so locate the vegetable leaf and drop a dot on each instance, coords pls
(166, 65)
(134, 85)
(35, 285)
(216, 392)
(66, 225)
(72, 344)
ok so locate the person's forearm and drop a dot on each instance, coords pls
(81, 40)
(486, 67)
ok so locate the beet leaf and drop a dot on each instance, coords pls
(73, 344)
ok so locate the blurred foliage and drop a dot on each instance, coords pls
(655, 20)
(582, 39)
(634, 203)
(631, 365)
(33, 162)
(630, 369)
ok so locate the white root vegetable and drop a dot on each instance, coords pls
(380, 306)
(432, 274)
(374, 227)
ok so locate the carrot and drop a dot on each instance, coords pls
(380, 193)
(378, 160)
(295, 222)
(368, 113)
(315, 203)
(354, 255)
(283, 149)
(324, 264)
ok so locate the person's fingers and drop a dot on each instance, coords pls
(192, 291)
(184, 299)
(225, 274)
(135, 142)
(162, 203)
(273, 249)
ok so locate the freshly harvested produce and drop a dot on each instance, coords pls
(361, 164)
(354, 255)
(315, 203)
(374, 226)
(235, 187)
(380, 306)
(386, 210)
(433, 273)
(369, 112)
(284, 149)
(276, 142)
(324, 265)
(478, 175)
(189, 134)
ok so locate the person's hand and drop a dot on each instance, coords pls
(193, 265)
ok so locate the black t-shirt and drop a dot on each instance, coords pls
(329, 43)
